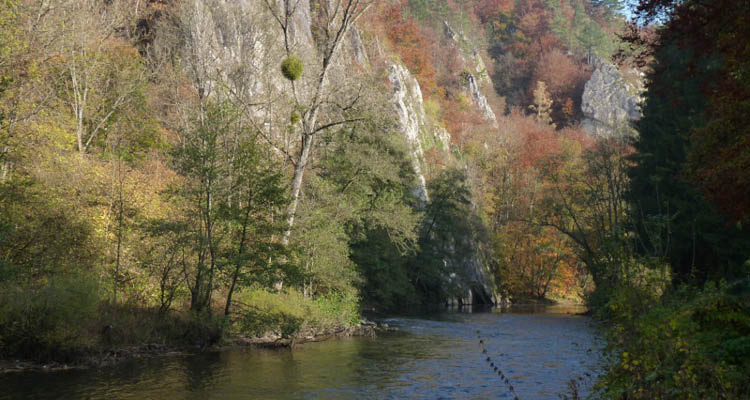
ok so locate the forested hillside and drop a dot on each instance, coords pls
(180, 171)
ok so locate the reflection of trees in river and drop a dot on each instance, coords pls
(201, 372)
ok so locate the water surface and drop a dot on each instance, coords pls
(438, 357)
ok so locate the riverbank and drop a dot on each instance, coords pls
(433, 356)
(115, 355)
(689, 343)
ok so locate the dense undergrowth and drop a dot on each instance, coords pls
(66, 321)
(687, 344)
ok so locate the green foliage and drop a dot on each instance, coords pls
(292, 67)
(40, 235)
(691, 344)
(384, 267)
(450, 237)
(231, 208)
(321, 240)
(289, 313)
(698, 241)
(362, 207)
(51, 321)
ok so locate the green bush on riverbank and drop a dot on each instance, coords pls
(66, 321)
(290, 312)
(690, 344)
(52, 322)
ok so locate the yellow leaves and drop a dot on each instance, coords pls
(542, 104)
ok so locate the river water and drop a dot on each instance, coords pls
(437, 357)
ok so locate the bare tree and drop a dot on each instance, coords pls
(339, 17)
(98, 74)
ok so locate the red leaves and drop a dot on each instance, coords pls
(565, 79)
(461, 120)
(414, 46)
(486, 10)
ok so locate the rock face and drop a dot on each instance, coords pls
(474, 282)
(609, 104)
(234, 39)
(471, 83)
(407, 100)
(479, 99)
(358, 48)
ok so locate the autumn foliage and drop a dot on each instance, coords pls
(414, 45)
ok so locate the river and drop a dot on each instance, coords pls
(437, 357)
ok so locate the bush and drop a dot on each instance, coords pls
(129, 325)
(690, 344)
(288, 313)
(51, 322)
(292, 67)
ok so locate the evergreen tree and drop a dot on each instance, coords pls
(672, 217)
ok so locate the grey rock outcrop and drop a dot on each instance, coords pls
(479, 99)
(302, 20)
(609, 104)
(449, 33)
(359, 54)
(473, 281)
(472, 84)
(409, 106)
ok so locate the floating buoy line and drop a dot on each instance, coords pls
(496, 367)
(573, 383)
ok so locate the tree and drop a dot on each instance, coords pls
(100, 75)
(232, 199)
(565, 79)
(358, 212)
(340, 16)
(698, 241)
(198, 158)
(584, 199)
(253, 214)
(542, 106)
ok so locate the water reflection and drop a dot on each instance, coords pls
(436, 357)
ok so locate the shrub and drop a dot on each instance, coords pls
(288, 313)
(131, 325)
(292, 67)
(690, 344)
(50, 322)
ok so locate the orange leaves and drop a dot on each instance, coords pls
(487, 10)
(534, 140)
(460, 119)
(564, 76)
(413, 45)
(565, 79)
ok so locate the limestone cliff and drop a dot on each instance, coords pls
(474, 282)
(472, 84)
(239, 42)
(409, 107)
(609, 104)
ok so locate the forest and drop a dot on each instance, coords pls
(186, 172)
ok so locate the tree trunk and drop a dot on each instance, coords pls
(299, 172)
